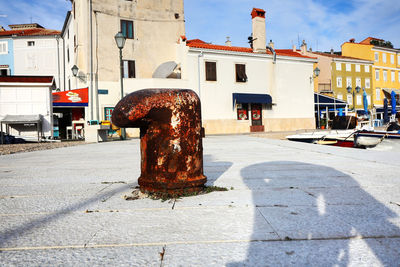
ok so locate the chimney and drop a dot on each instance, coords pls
(331, 51)
(294, 48)
(303, 48)
(271, 44)
(228, 42)
(258, 27)
(352, 40)
(2, 29)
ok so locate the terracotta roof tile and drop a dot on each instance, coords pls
(197, 43)
(30, 32)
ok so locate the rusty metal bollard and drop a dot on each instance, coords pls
(170, 138)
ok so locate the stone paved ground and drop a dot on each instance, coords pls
(288, 204)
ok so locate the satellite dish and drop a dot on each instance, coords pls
(165, 70)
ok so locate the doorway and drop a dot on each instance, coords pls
(256, 118)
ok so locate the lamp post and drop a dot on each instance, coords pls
(120, 41)
(351, 90)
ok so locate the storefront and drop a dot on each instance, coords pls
(252, 103)
(69, 113)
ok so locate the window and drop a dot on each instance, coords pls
(127, 28)
(338, 66)
(367, 83)
(377, 75)
(398, 59)
(348, 67)
(384, 57)
(3, 47)
(378, 93)
(366, 68)
(68, 54)
(242, 111)
(368, 99)
(392, 59)
(358, 82)
(376, 56)
(393, 76)
(358, 100)
(128, 69)
(398, 75)
(211, 71)
(340, 96)
(339, 82)
(349, 99)
(241, 76)
(358, 68)
(348, 82)
(385, 75)
(31, 43)
(4, 72)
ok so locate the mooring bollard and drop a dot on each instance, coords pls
(170, 138)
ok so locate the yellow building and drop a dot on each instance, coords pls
(386, 67)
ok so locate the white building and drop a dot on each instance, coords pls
(36, 51)
(26, 96)
(277, 87)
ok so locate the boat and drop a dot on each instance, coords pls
(370, 139)
(329, 137)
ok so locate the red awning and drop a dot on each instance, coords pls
(72, 98)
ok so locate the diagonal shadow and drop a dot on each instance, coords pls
(320, 211)
(42, 221)
(213, 169)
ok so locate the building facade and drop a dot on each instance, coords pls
(32, 50)
(385, 69)
(220, 74)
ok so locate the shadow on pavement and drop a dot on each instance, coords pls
(319, 213)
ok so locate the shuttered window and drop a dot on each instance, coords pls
(127, 28)
(211, 71)
(241, 76)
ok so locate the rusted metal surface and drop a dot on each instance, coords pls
(170, 138)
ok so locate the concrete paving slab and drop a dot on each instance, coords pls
(322, 196)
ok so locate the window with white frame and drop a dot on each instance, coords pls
(358, 69)
(378, 93)
(348, 67)
(349, 99)
(358, 82)
(376, 56)
(338, 66)
(398, 76)
(348, 82)
(391, 59)
(4, 71)
(339, 82)
(398, 59)
(367, 83)
(30, 43)
(366, 68)
(358, 100)
(340, 96)
(369, 99)
(384, 57)
(385, 75)
(393, 76)
(376, 75)
(3, 47)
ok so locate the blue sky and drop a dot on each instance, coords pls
(324, 24)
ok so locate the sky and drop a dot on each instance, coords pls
(323, 24)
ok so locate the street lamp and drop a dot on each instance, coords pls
(120, 41)
(351, 90)
(75, 72)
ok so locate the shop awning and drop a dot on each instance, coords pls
(72, 98)
(326, 101)
(241, 98)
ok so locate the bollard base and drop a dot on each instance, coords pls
(174, 188)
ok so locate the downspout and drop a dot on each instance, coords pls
(273, 52)
(97, 71)
(58, 60)
(91, 59)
